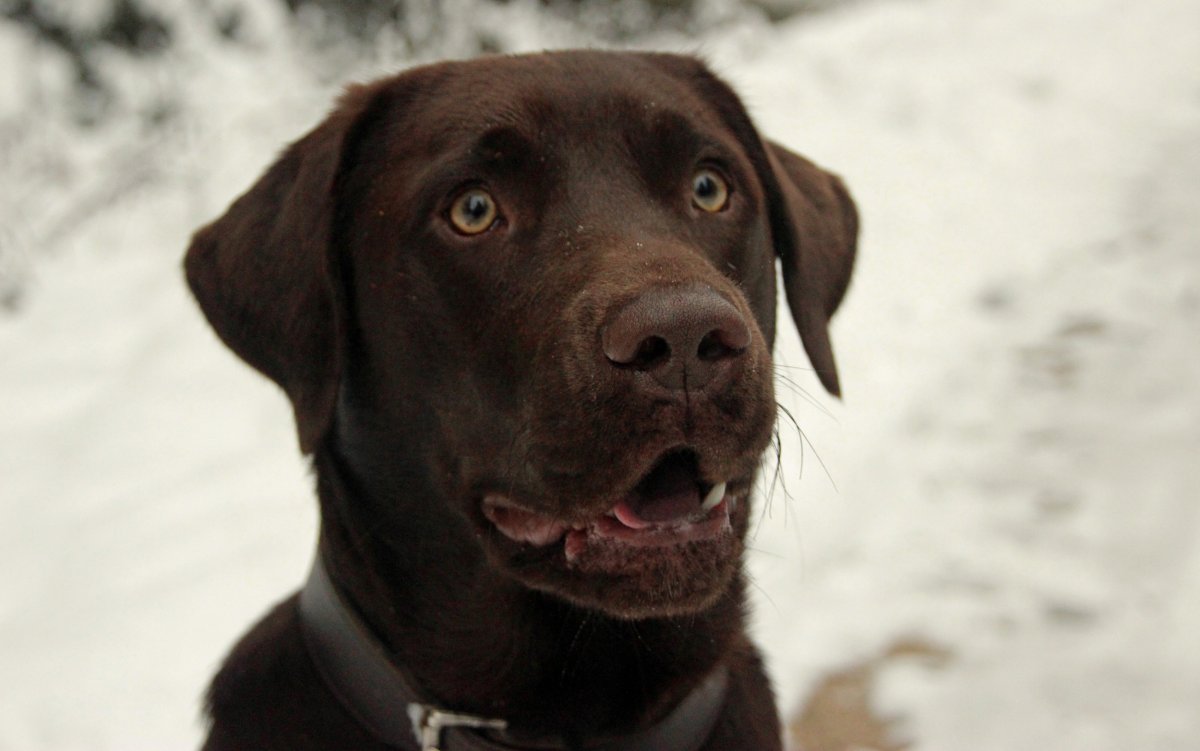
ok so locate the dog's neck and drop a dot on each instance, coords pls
(477, 641)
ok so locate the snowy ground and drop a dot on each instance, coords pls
(1011, 480)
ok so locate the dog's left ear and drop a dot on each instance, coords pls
(814, 225)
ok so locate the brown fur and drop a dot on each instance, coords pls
(427, 369)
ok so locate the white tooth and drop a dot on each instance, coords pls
(713, 498)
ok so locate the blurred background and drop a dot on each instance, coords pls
(990, 543)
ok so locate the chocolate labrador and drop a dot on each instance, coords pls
(523, 308)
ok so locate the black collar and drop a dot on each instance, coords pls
(380, 694)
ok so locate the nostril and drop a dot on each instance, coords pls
(650, 352)
(718, 345)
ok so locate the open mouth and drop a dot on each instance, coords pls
(669, 506)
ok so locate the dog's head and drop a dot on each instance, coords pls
(532, 300)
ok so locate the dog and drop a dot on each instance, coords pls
(523, 308)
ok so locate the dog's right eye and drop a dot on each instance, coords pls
(473, 211)
(710, 192)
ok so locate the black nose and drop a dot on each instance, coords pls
(687, 338)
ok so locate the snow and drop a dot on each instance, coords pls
(1011, 476)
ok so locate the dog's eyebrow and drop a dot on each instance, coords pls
(671, 132)
(502, 147)
(668, 145)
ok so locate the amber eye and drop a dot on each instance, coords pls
(473, 212)
(709, 191)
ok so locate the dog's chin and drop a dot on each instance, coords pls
(669, 550)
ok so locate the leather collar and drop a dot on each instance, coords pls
(381, 695)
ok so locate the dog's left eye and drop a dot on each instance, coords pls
(473, 211)
(710, 192)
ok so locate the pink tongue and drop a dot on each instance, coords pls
(669, 494)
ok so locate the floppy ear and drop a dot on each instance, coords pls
(814, 224)
(264, 276)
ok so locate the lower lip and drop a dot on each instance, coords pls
(609, 531)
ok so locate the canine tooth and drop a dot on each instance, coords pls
(714, 497)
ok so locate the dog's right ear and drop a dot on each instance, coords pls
(264, 276)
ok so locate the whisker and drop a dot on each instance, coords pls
(825, 469)
(776, 479)
(804, 439)
(766, 595)
(523, 430)
(583, 626)
(763, 552)
(803, 393)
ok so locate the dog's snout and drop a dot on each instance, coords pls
(685, 338)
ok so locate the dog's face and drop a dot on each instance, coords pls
(537, 295)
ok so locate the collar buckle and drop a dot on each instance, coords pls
(428, 722)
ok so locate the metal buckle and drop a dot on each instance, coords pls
(429, 722)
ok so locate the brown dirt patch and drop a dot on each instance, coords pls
(839, 716)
